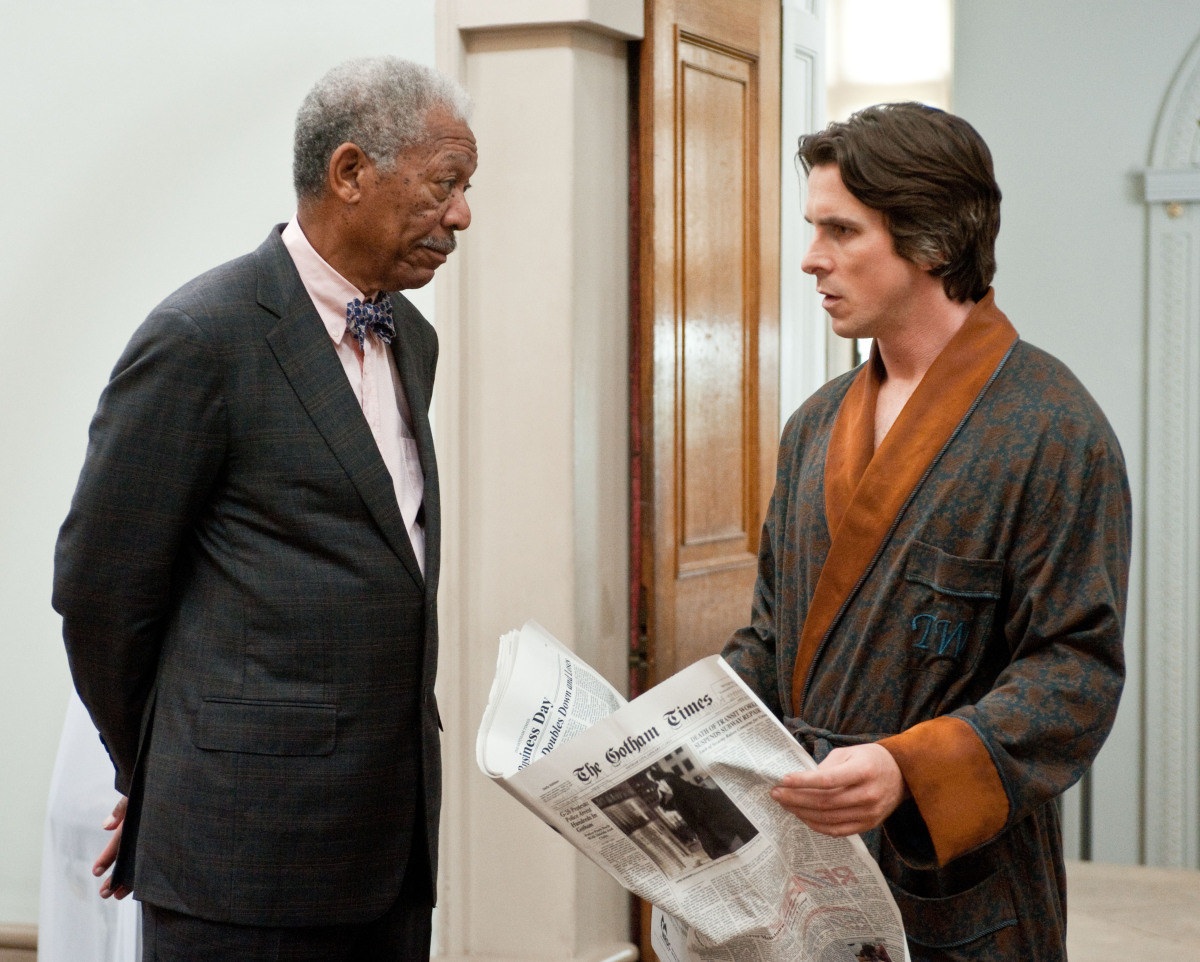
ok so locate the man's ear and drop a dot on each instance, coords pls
(347, 167)
(930, 266)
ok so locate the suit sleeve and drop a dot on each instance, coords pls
(988, 765)
(155, 448)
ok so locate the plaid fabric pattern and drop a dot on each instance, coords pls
(244, 615)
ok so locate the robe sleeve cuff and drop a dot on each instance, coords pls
(953, 782)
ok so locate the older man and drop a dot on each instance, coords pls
(943, 569)
(249, 569)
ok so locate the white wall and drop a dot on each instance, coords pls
(144, 142)
(1067, 96)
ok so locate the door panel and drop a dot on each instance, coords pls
(711, 326)
(709, 316)
(707, 339)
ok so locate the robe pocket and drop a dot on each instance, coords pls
(266, 727)
(980, 923)
(949, 608)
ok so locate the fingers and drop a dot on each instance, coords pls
(108, 856)
(837, 822)
(853, 790)
(107, 891)
(835, 782)
(118, 814)
(115, 823)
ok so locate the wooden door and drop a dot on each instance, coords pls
(708, 339)
(706, 345)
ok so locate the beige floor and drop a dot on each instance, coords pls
(1123, 913)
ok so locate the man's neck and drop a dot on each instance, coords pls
(325, 241)
(909, 352)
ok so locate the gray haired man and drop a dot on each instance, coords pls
(248, 573)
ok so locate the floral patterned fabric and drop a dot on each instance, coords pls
(980, 641)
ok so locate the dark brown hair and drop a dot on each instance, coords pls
(930, 174)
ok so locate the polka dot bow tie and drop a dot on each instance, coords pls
(375, 318)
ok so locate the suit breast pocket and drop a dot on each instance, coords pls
(266, 727)
(949, 608)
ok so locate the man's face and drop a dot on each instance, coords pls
(869, 290)
(404, 224)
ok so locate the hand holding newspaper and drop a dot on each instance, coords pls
(670, 794)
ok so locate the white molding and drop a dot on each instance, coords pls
(803, 326)
(1171, 564)
(1172, 186)
(623, 19)
(618, 952)
(531, 430)
(1172, 583)
(1177, 139)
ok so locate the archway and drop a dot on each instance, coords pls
(1172, 627)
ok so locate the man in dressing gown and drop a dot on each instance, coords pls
(942, 575)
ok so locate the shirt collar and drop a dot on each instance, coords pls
(329, 291)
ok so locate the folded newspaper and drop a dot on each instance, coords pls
(670, 794)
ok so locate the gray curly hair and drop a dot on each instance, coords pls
(379, 104)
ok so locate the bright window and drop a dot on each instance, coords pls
(881, 51)
(887, 50)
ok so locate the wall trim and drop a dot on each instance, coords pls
(620, 952)
(1172, 583)
(18, 937)
(1167, 186)
(623, 19)
(531, 427)
(809, 354)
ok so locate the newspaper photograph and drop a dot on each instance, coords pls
(670, 794)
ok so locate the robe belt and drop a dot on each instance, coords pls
(819, 742)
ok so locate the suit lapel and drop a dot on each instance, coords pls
(303, 350)
(410, 364)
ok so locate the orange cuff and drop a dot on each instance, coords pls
(954, 783)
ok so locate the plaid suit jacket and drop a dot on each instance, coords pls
(243, 614)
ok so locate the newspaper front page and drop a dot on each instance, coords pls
(670, 794)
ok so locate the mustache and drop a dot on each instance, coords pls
(446, 246)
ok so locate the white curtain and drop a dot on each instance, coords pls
(74, 923)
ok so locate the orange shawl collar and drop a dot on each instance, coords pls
(866, 489)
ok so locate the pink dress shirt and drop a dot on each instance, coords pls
(373, 376)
